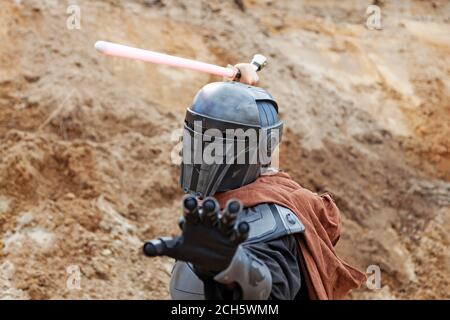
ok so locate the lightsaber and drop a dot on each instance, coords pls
(118, 50)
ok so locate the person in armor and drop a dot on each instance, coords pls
(248, 231)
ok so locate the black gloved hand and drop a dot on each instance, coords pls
(209, 238)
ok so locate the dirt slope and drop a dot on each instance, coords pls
(86, 141)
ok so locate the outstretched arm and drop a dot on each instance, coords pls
(211, 241)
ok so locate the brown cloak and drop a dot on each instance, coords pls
(327, 276)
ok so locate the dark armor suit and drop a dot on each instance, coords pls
(269, 260)
(237, 253)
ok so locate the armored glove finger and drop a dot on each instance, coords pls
(165, 246)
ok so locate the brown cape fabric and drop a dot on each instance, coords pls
(327, 276)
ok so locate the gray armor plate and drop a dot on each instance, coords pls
(267, 222)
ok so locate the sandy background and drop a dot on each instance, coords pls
(85, 140)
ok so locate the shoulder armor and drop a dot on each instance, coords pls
(270, 221)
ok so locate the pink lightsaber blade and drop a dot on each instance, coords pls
(118, 50)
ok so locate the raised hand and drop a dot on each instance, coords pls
(209, 237)
(247, 73)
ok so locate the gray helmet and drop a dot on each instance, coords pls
(230, 132)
